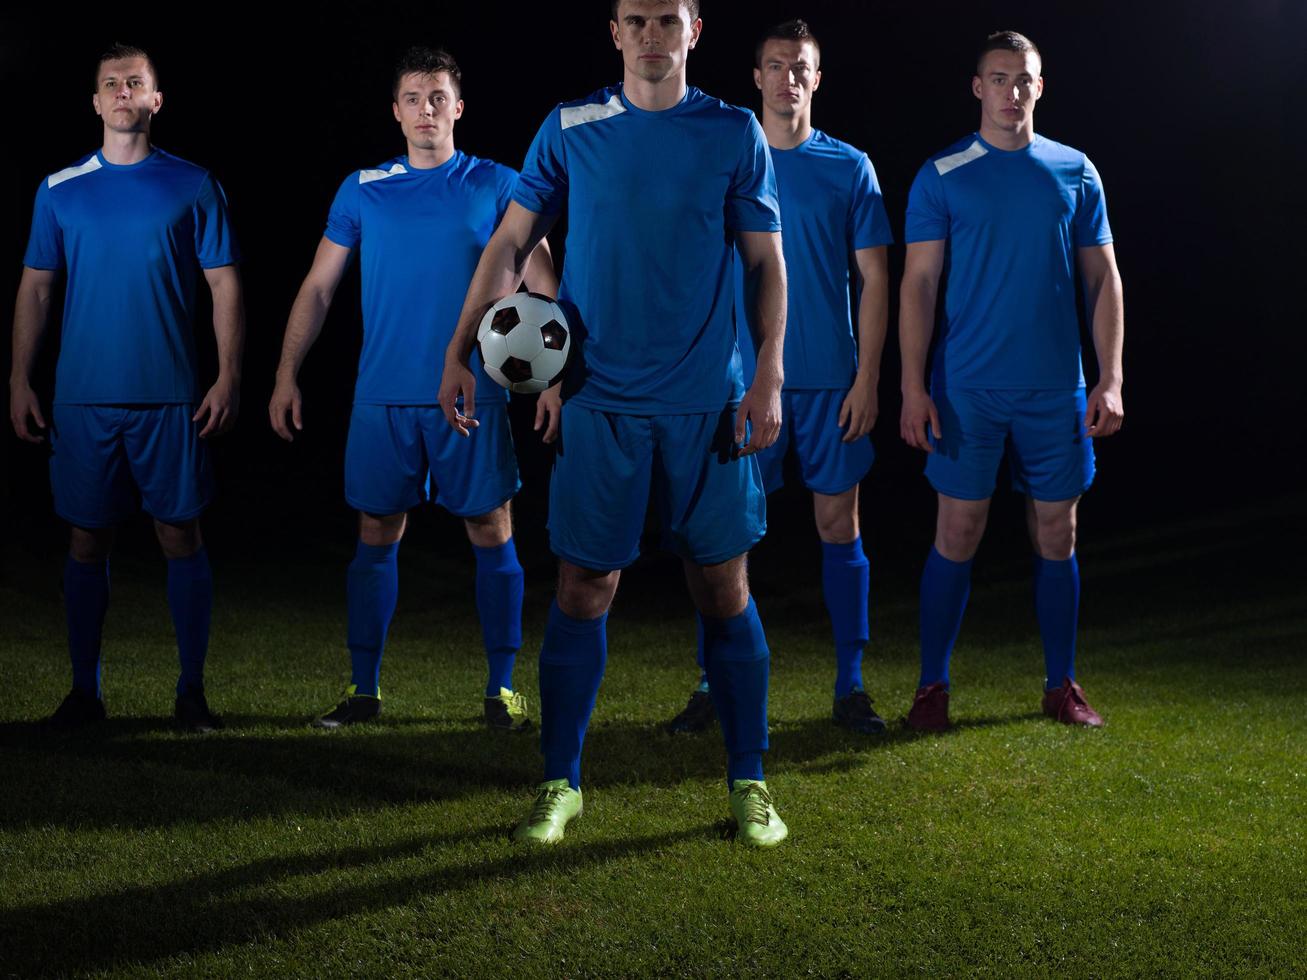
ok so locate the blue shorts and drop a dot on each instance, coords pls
(710, 501)
(109, 461)
(395, 452)
(1050, 455)
(810, 420)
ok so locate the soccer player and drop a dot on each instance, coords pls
(834, 216)
(656, 179)
(1007, 216)
(133, 226)
(420, 222)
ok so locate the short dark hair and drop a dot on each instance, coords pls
(1007, 41)
(118, 51)
(790, 30)
(427, 61)
(692, 6)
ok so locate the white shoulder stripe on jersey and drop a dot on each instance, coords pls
(578, 114)
(68, 173)
(954, 160)
(367, 176)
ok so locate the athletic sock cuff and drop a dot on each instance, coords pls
(1053, 567)
(936, 556)
(497, 558)
(377, 553)
(739, 637)
(195, 559)
(850, 553)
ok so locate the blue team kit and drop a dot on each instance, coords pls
(1013, 220)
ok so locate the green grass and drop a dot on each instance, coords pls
(1169, 843)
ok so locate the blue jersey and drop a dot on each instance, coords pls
(133, 239)
(831, 206)
(420, 234)
(1013, 220)
(653, 200)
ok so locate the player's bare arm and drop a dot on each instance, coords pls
(222, 403)
(764, 273)
(307, 314)
(31, 314)
(500, 271)
(861, 406)
(1105, 410)
(917, 294)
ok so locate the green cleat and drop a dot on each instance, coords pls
(507, 712)
(353, 709)
(756, 822)
(556, 805)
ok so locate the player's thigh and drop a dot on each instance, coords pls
(1052, 457)
(472, 475)
(599, 490)
(169, 462)
(829, 465)
(89, 475)
(974, 426)
(710, 499)
(385, 459)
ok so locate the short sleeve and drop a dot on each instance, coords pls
(343, 224)
(868, 222)
(542, 185)
(505, 182)
(45, 245)
(752, 201)
(215, 241)
(927, 219)
(1091, 227)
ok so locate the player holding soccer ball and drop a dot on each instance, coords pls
(420, 222)
(1008, 215)
(832, 210)
(656, 178)
(134, 226)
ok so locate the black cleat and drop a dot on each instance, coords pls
(353, 709)
(854, 712)
(698, 715)
(77, 710)
(191, 713)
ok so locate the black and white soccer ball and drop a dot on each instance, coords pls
(524, 342)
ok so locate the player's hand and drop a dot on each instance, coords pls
(919, 413)
(761, 409)
(458, 380)
(24, 405)
(220, 407)
(286, 398)
(1104, 411)
(860, 409)
(549, 412)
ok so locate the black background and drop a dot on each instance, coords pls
(1192, 113)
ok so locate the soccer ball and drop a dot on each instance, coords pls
(524, 342)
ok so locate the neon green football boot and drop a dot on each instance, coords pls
(556, 804)
(507, 712)
(756, 820)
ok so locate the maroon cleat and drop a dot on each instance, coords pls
(929, 711)
(1068, 705)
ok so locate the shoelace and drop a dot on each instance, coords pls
(517, 704)
(545, 803)
(757, 801)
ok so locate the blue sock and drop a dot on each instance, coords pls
(572, 659)
(86, 599)
(499, 604)
(190, 598)
(945, 586)
(737, 660)
(698, 656)
(372, 589)
(845, 580)
(1057, 604)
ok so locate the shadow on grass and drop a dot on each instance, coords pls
(206, 913)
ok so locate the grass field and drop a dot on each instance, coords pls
(1169, 843)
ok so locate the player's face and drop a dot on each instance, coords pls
(1008, 86)
(426, 107)
(655, 37)
(788, 76)
(125, 96)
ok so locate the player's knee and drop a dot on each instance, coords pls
(957, 536)
(490, 530)
(585, 593)
(178, 540)
(719, 591)
(1055, 537)
(836, 516)
(90, 544)
(380, 530)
